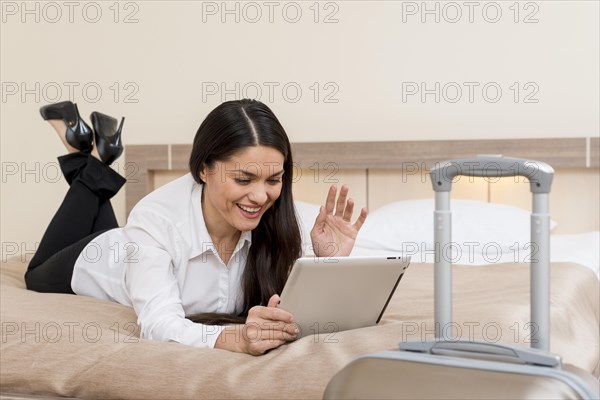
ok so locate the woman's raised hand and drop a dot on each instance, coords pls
(334, 233)
(266, 328)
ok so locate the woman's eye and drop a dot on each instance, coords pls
(274, 181)
(242, 181)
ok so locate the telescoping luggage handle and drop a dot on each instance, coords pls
(540, 177)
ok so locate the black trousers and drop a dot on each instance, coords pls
(85, 213)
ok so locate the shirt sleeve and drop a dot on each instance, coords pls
(152, 285)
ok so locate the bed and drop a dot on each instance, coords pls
(56, 345)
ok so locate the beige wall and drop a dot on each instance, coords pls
(164, 65)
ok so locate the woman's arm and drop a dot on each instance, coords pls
(152, 285)
(156, 299)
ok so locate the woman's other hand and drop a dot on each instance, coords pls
(334, 233)
(266, 328)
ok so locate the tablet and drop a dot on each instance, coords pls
(333, 294)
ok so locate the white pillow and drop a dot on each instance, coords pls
(402, 225)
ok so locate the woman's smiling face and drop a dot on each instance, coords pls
(238, 192)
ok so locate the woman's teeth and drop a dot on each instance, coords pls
(249, 209)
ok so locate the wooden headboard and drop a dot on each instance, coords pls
(382, 172)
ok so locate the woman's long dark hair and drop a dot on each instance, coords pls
(276, 242)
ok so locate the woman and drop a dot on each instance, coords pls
(216, 245)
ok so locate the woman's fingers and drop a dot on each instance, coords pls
(290, 328)
(271, 325)
(273, 301)
(361, 219)
(349, 210)
(330, 202)
(254, 332)
(272, 318)
(277, 314)
(268, 324)
(343, 206)
(277, 336)
(341, 201)
(270, 313)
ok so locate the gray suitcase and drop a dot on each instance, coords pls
(461, 369)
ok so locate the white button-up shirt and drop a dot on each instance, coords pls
(164, 264)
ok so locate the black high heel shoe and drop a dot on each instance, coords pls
(108, 136)
(79, 134)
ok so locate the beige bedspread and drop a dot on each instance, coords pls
(77, 346)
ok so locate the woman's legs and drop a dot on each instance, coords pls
(84, 213)
(106, 218)
(54, 274)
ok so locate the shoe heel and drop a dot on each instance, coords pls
(118, 132)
